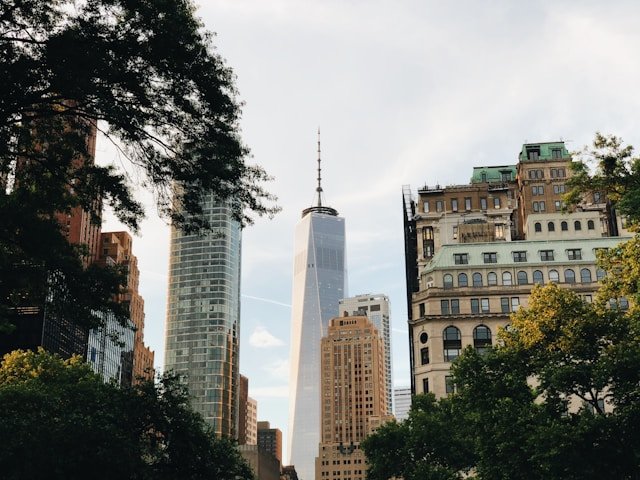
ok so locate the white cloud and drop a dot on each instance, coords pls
(279, 368)
(269, 392)
(262, 338)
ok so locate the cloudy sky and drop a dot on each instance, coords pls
(405, 92)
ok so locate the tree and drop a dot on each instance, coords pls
(557, 398)
(146, 75)
(612, 169)
(59, 420)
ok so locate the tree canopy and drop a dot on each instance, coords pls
(59, 420)
(146, 75)
(557, 398)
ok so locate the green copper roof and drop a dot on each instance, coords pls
(541, 152)
(494, 174)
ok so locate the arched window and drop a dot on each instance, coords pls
(447, 281)
(477, 279)
(463, 280)
(537, 277)
(600, 274)
(522, 278)
(564, 226)
(585, 275)
(481, 338)
(506, 278)
(569, 276)
(492, 279)
(554, 276)
(551, 227)
(452, 343)
(537, 227)
(577, 225)
(591, 225)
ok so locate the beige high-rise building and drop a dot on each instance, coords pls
(353, 396)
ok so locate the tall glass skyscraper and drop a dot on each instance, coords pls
(203, 316)
(319, 282)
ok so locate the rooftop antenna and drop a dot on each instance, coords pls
(319, 188)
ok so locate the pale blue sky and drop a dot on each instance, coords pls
(405, 92)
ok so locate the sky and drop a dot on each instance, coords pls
(405, 93)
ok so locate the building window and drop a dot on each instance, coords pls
(537, 190)
(454, 204)
(475, 305)
(455, 232)
(546, 255)
(496, 202)
(484, 305)
(463, 280)
(506, 278)
(467, 203)
(556, 153)
(499, 231)
(554, 276)
(455, 306)
(424, 355)
(491, 257)
(515, 303)
(481, 338)
(564, 226)
(597, 196)
(444, 307)
(492, 279)
(600, 274)
(557, 189)
(519, 256)
(538, 206)
(449, 386)
(477, 279)
(587, 298)
(483, 203)
(424, 338)
(574, 254)
(461, 258)
(425, 385)
(522, 278)
(439, 205)
(505, 176)
(558, 205)
(425, 207)
(577, 225)
(421, 309)
(538, 279)
(452, 343)
(427, 232)
(483, 177)
(447, 281)
(569, 276)
(590, 225)
(585, 275)
(537, 226)
(504, 304)
(551, 227)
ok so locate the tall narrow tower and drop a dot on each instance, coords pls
(319, 282)
(203, 316)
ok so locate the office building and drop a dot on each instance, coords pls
(116, 249)
(319, 282)
(270, 440)
(463, 281)
(402, 403)
(353, 396)
(263, 465)
(376, 308)
(203, 315)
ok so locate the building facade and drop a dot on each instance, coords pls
(319, 282)
(353, 396)
(203, 316)
(401, 403)
(270, 440)
(377, 309)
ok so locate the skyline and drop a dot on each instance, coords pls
(405, 93)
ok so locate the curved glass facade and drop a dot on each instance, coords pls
(319, 282)
(203, 316)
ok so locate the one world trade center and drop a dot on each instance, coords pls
(319, 283)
